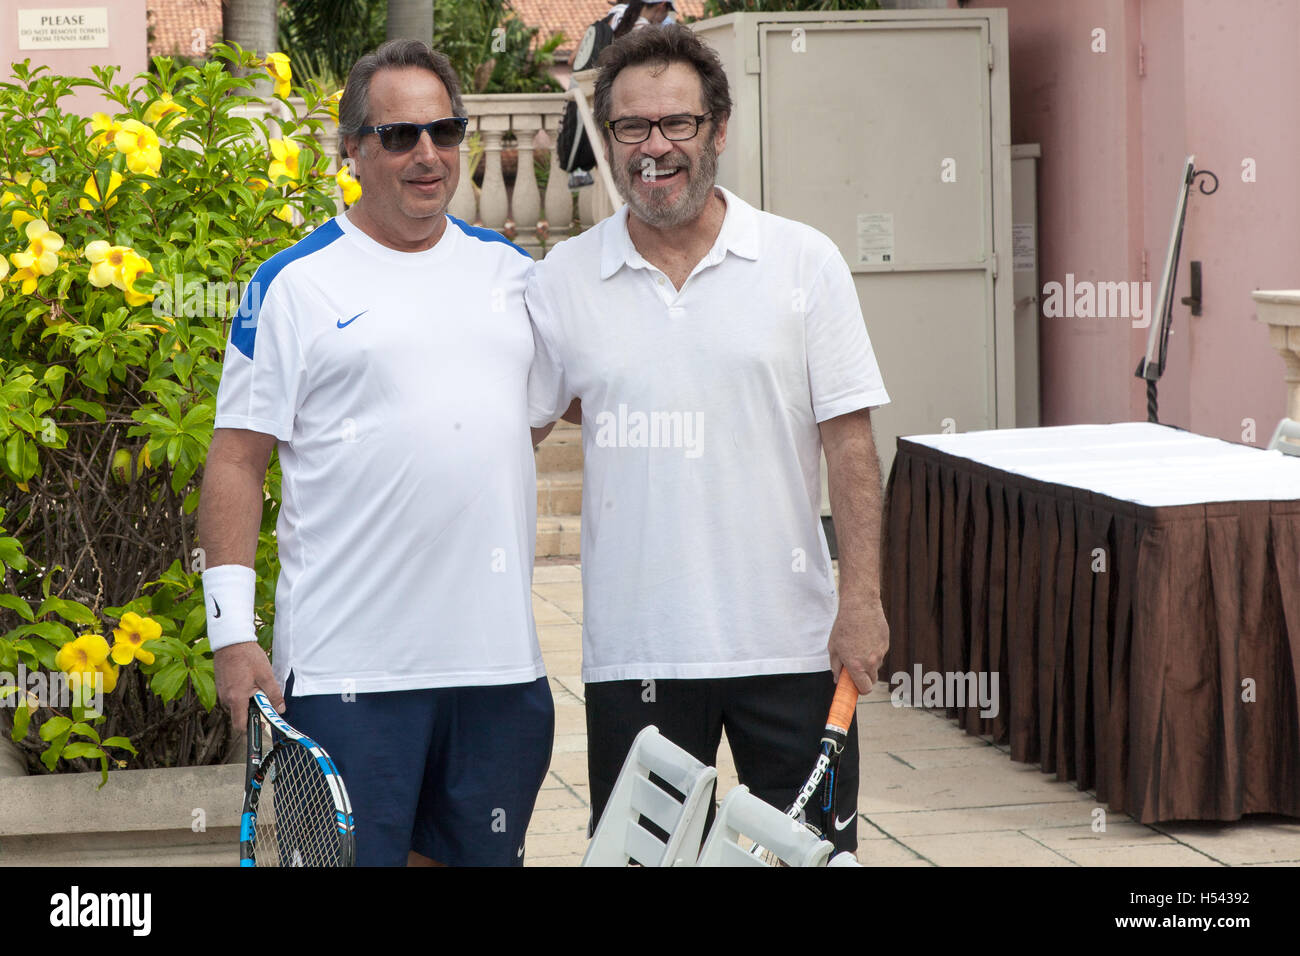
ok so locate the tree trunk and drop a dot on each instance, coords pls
(410, 19)
(252, 24)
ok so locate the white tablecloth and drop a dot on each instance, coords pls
(1146, 464)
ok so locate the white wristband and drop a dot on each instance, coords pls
(228, 598)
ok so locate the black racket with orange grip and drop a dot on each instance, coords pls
(822, 778)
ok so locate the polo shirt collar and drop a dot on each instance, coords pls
(739, 235)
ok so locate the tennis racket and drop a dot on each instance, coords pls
(296, 809)
(821, 782)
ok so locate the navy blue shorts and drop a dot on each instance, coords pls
(450, 772)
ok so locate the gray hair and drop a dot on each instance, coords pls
(354, 107)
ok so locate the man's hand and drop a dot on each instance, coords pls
(859, 641)
(242, 669)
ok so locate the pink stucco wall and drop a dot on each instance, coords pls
(127, 37)
(1220, 81)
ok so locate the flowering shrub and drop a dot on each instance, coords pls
(125, 242)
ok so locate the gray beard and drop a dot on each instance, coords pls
(664, 215)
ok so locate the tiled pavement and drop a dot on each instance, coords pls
(930, 795)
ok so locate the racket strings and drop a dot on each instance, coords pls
(296, 815)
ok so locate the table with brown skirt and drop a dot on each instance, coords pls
(1135, 587)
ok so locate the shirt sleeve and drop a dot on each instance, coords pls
(549, 394)
(842, 372)
(264, 368)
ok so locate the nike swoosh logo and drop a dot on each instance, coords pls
(841, 824)
(344, 325)
(218, 607)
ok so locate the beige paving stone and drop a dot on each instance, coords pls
(1278, 863)
(573, 859)
(992, 848)
(886, 853)
(985, 756)
(570, 683)
(553, 782)
(556, 573)
(1081, 836)
(562, 661)
(570, 767)
(566, 595)
(545, 613)
(570, 718)
(1163, 854)
(569, 744)
(558, 797)
(1263, 839)
(974, 819)
(559, 820)
(948, 788)
(571, 845)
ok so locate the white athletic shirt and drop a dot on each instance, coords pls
(702, 546)
(396, 385)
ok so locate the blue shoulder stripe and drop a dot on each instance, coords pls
(487, 235)
(243, 331)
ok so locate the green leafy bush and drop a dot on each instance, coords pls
(127, 239)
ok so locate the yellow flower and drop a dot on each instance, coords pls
(284, 163)
(163, 106)
(110, 676)
(257, 184)
(134, 267)
(4, 271)
(83, 655)
(92, 190)
(106, 263)
(22, 215)
(139, 143)
(284, 213)
(42, 253)
(332, 104)
(106, 128)
(129, 638)
(351, 188)
(277, 64)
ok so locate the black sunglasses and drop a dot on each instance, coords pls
(402, 137)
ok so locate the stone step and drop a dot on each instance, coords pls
(559, 493)
(559, 453)
(559, 536)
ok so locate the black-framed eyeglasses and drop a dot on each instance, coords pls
(636, 129)
(402, 137)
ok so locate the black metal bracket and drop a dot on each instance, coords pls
(1194, 300)
(1201, 186)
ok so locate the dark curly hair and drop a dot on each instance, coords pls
(670, 44)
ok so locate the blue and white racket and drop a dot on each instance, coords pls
(296, 809)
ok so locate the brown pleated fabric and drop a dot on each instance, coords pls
(1151, 653)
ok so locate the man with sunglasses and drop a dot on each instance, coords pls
(714, 350)
(386, 356)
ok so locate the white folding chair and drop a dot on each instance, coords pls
(743, 814)
(1286, 429)
(620, 837)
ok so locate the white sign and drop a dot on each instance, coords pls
(1023, 249)
(875, 238)
(63, 28)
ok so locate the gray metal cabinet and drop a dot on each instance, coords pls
(890, 132)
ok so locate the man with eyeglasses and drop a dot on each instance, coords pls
(713, 350)
(386, 356)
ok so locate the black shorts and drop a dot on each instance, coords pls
(773, 724)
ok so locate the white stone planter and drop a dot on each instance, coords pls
(183, 817)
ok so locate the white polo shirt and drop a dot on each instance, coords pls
(702, 546)
(396, 385)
